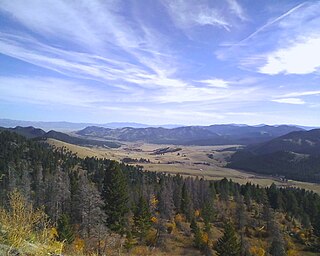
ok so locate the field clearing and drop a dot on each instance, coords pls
(186, 160)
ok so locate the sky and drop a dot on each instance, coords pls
(191, 62)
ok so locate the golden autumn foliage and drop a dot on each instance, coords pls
(154, 219)
(153, 201)
(78, 245)
(178, 218)
(171, 226)
(257, 251)
(27, 229)
(292, 252)
(151, 238)
(205, 238)
(140, 250)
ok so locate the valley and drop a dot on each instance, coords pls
(160, 128)
(203, 161)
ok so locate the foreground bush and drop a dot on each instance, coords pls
(27, 230)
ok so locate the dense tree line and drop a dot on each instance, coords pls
(92, 198)
(283, 163)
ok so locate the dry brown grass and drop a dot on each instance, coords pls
(185, 162)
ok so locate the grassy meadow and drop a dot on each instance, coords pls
(188, 160)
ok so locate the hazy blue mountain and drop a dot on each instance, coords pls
(70, 126)
(192, 135)
(189, 135)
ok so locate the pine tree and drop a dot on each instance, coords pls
(186, 207)
(166, 204)
(277, 247)
(64, 228)
(197, 240)
(228, 244)
(208, 214)
(142, 218)
(115, 195)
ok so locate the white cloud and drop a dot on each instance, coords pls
(295, 101)
(299, 58)
(285, 44)
(214, 96)
(237, 9)
(186, 14)
(304, 93)
(47, 91)
(215, 82)
(100, 43)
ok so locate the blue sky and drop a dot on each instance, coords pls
(156, 62)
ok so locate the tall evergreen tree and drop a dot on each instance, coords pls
(115, 195)
(166, 203)
(228, 244)
(142, 218)
(208, 214)
(277, 247)
(65, 230)
(186, 204)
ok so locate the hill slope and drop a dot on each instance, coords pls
(28, 132)
(59, 185)
(39, 134)
(295, 156)
(304, 142)
(78, 141)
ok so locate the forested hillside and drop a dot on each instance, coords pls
(39, 134)
(295, 156)
(100, 207)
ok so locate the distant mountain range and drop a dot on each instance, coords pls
(191, 135)
(39, 134)
(69, 126)
(285, 151)
(295, 155)
(188, 135)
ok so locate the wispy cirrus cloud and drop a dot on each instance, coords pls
(281, 45)
(215, 82)
(108, 48)
(189, 14)
(48, 90)
(295, 101)
(237, 9)
(133, 58)
(136, 59)
(302, 93)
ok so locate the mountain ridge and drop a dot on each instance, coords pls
(295, 156)
(73, 126)
(191, 135)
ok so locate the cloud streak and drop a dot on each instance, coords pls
(294, 101)
(136, 59)
(189, 14)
